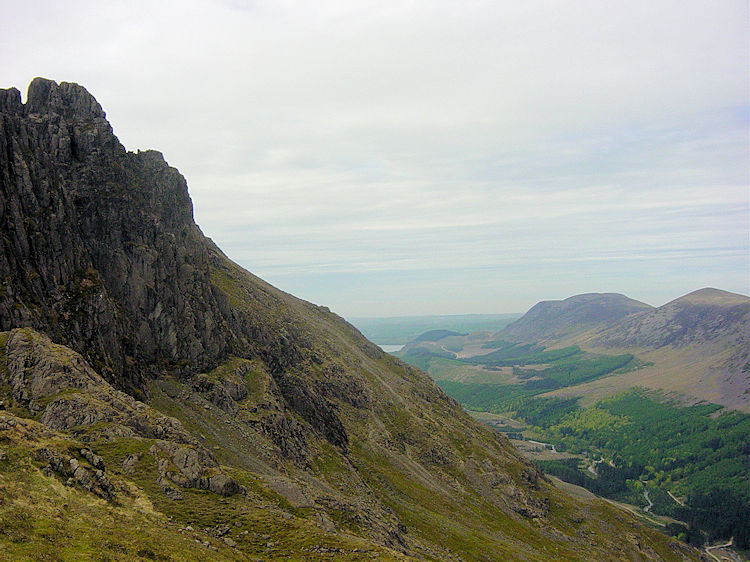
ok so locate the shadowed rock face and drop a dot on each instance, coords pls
(99, 247)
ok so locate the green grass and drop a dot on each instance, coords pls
(570, 371)
(503, 395)
(524, 354)
(689, 451)
(497, 392)
(41, 519)
(488, 397)
(262, 511)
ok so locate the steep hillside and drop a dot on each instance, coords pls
(184, 389)
(556, 319)
(698, 344)
(698, 318)
(646, 393)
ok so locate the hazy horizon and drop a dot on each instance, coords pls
(512, 313)
(432, 158)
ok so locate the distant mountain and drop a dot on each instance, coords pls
(701, 318)
(437, 335)
(400, 330)
(148, 381)
(697, 345)
(557, 319)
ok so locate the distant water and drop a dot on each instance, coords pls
(391, 348)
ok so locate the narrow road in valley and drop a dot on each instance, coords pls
(449, 351)
(710, 548)
(650, 503)
(675, 499)
(543, 444)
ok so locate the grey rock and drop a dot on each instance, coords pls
(128, 465)
(195, 469)
(95, 460)
(288, 435)
(222, 484)
(73, 473)
(169, 490)
(99, 249)
(38, 370)
(219, 530)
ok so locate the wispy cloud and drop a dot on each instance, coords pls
(432, 156)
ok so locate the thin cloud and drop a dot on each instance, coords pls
(339, 148)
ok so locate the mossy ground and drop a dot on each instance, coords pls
(42, 518)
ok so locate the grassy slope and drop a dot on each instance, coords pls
(692, 372)
(41, 518)
(414, 457)
(688, 372)
(701, 363)
(38, 510)
(503, 373)
(427, 460)
(595, 427)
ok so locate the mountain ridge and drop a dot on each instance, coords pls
(696, 345)
(557, 318)
(699, 316)
(283, 415)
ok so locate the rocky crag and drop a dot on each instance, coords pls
(160, 402)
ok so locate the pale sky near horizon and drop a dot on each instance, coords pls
(415, 157)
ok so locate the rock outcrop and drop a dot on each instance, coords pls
(69, 469)
(98, 245)
(58, 387)
(99, 250)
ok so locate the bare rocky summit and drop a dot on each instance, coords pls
(146, 378)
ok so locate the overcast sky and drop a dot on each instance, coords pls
(423, 157)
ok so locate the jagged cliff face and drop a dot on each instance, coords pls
(98, 245)
(263, 411)
(100, 248)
